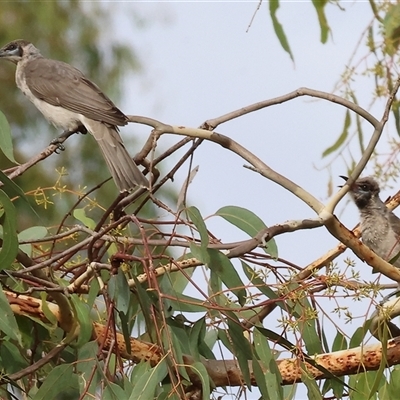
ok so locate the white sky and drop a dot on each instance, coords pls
(200, 63)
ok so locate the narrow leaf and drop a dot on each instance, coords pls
(13, 190)
(342, 137)
(273, 377)
(197, 219)
(313, 392)
(241, 346)
(222, 266)
(57, 381)
(146, 386)
(248, 222)
(273, 7)
(80, 215)
(182, 194)
(82, 313)
(8, 220)
(259, 376)
(8, 323)
(113, 392)
(32, 233)
(6, 145)
(201, 372)
(323, 23)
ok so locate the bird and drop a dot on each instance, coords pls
(70, 101)
(380, 227)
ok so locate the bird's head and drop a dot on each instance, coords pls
(16, 50)
(363, 191)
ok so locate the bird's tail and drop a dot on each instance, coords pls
(124, 171)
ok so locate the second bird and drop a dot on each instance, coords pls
(380, 228)
(72, 102)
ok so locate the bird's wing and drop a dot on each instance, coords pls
(60, 84)
(394, 223)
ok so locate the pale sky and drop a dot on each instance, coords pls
(200, 63)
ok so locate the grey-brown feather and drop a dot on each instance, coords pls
(62, 85)
(69, 100)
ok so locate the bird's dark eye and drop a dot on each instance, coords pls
(11, 47)
(364, 187)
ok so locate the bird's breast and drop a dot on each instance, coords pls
(58, 116)
(377, 234)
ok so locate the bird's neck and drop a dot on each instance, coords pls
(374, 207)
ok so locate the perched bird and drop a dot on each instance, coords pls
(380, 228)
(72, 102)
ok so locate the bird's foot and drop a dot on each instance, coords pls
(58, 142)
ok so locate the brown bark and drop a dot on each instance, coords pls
(227, 372)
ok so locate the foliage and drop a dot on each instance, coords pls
(109, 302)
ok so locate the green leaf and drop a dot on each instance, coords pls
(359, 335)
(114, 392)
(123, 292)
(339, 343)
(11, 357)
(198, 221)
(80, 215)
(8, 323)
(294, 349)
(146, 386)
(273, 377)
(145, 302)
(199, 252)
(32, 233)
(59, 380)
(391, 25)
(259, 376)
(394, 382)
(94, 289)
(273, 7)
(306, 325)
(240, 345)
(342, 137)
(323, 23)
(197, 337)
(138, 371)
(379, 377)
(13, 190)
(47, 312)
(248, 222)
(8, 221)
(6, 145)
(82, 313)
(125, 330)
(176, 338)
(222, 266)
(313, 392)
(201, 371)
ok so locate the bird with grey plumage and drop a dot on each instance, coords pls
(380, 228)
(73, 103)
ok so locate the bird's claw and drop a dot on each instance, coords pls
(60, 146)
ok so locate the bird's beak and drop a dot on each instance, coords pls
(343, 177)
